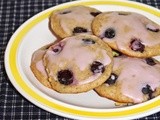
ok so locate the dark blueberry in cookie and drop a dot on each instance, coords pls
(110, 33)
(88, 41)
(65, 77)
(65, 12)
(150, 61)
(95, 13)
(79, 30)
(147, 90)
(112, 79)
(97, 67)
(57, 49)
(136, 45)
(152, 28)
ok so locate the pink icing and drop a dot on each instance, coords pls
(40, 67)
(76, 52)
(90, 79)
(37, 55)
(37, 59)
(79, 14)
(128, 27)
(135, 75)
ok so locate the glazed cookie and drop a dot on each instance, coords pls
(37, 66)
(133, 80)
(78, 64)
(130, 33)
(73, 20)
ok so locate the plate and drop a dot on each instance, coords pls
(34, 33)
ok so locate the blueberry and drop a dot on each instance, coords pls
(97, 67)
(110, 33)
(153, 30)
(136, 45)
(65, 77)
(65, 12)
(112, 79)
(147, 90)
(79, 30)
(95, 13)
(88, 41)
(150, 61)
(57, 49)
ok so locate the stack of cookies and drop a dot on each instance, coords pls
(110, 52)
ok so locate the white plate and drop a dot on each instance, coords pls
(34, 34)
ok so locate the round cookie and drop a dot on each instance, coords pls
(78, 64)
(130, 33)
(72, 21)
(38, 68)
(133, 80)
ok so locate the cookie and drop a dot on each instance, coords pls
(78, 64)
(133, 80)
(38, 68)
(130, 33)
(72, 21)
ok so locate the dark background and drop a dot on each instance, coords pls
(12, 14)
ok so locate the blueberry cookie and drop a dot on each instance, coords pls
(133, 80)
(37, 66)
(130, 33)
(78, 63)
(73, 20)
